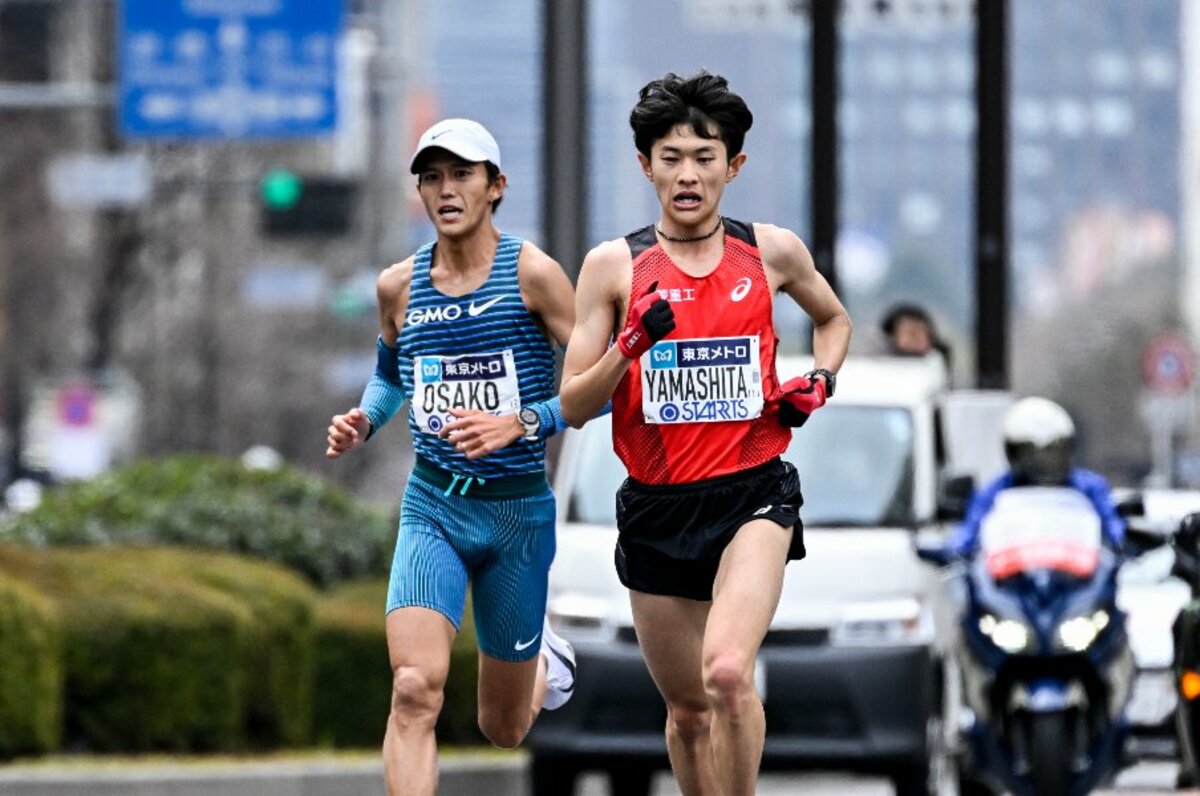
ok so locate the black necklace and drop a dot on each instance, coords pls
(695, 239)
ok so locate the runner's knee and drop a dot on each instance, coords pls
(728, 678)
(416, 696)
(503, 731)
(689, 722)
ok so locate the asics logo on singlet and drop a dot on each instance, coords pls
(742, 289)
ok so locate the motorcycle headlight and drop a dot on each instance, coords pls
(1007, 634)
(1077, 633)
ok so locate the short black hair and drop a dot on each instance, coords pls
(701, 101)
(901, 311)
(493, 171)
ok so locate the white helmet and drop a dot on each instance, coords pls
(1039, 440)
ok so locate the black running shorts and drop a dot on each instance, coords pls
(671, 537)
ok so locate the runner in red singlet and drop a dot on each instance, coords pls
(709, 515)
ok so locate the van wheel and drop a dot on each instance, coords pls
(552, 776)
(631, 780)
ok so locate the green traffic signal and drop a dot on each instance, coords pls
(281, 189)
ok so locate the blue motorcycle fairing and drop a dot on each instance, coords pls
(1046, 678)
(1041, 601)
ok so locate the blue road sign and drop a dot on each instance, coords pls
(228, 68)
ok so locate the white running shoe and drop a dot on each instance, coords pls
(560, 668)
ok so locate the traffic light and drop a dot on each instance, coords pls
(292, 204)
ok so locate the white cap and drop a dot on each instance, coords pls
(468, 139)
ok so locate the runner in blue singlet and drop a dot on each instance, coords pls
(467, 326)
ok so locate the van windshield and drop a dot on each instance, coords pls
(855, 465)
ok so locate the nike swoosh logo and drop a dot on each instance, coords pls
(474, 309)
(436, 136)
(519, 646)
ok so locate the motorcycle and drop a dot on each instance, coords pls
(1042, 649)
(1186, 544)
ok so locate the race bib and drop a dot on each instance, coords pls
(485, 382)
(713, 380)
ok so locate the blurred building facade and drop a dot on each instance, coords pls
(184, 304)
(232, 337)
(1095, 163)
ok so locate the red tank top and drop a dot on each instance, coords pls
(695, 405)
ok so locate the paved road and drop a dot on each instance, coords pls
(1143, 780)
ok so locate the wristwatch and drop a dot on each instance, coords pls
(531, 421)
(830, 379)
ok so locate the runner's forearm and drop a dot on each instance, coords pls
(385, 393)
(831, 340)
(585, 394)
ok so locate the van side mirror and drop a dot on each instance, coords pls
(954, 495)
(931, 548)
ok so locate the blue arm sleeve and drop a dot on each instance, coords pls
(966, 537)
(1100, 494)
(550, 414)
(384, 394)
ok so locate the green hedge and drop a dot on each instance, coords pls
(282, 515)
(354, 679)
(150, 662)
(176, 649)
(279, 662)
(30, 672)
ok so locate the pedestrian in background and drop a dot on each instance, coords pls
(909, 331)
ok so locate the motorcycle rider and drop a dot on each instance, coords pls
(1039, 442)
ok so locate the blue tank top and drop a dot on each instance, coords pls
(483, 351)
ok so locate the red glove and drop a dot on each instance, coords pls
(650, 320)
(798, 399)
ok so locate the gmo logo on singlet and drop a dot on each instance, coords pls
(662, 355)
(450, 312)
